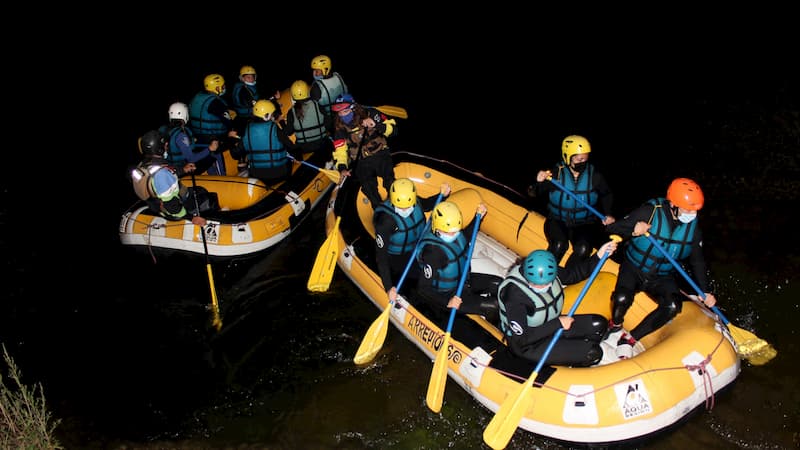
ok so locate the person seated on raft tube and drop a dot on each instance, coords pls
(157, 182)
(182, 147)
(567, 220)
(266, 145)
(399, 224)
(442, 258)
(672, 222)
(531, 300)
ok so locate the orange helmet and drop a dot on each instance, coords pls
(685, 193)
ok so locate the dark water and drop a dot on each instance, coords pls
(121, 341)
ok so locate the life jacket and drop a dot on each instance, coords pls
(311, 127)
(407, 230)
(330, 88)
(563, 206)
(245, 109)
(263, 147)
(544, 307)
(202, 122)
(676, 241)
(447, 278)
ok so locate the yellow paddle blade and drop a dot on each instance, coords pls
(395, 111)
(751, 347)
(334, 175)
(217, 322)
(505, 422)
(322, 272)
(373, 340)
(438, 377)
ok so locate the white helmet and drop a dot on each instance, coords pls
(179, 110)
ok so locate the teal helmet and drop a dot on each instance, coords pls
(540, 267)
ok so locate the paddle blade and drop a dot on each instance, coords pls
(334, 175)
(325, 264)
(395, 111)
(216, 321)
(503, 425)
(438, 380)
(751, 347)
(373, 340)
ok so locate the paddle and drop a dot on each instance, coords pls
(395, 111)
(439, 374)
(376, 334)
(505, 422)
(325, 264)
(748, 345)
(217, 322)
(334, 175)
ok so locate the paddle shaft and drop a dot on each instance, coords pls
(332, 174)
(685, 276)
(578, 199)
(465, 272)
(214, 303)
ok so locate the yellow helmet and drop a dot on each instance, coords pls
(263, 108)
(574, 145)
(299, 90)
(247, 70)
(446, 217)
(323, 63)
(214, 83)
(403, 193)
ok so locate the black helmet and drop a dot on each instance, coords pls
(152, 143)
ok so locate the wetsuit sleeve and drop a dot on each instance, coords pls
(428, 203)
(545, 187)
(697, 262)
(624, 227)
(606, 197)
(578, 271)
(220, 109)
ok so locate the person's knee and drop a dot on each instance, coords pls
(594, 355)
(598, 327)
(621, 300)
(490, 310)
(672, 308)
(581, 249)
(558, 247)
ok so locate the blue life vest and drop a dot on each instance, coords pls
(447, 278)
(563, 206)
(202, 122)
(407, 230)
(264, 149)
(676, 241)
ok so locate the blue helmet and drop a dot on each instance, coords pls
(342, 102)
(540, 267)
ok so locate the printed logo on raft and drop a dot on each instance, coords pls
(432, 339)
(633, 399)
